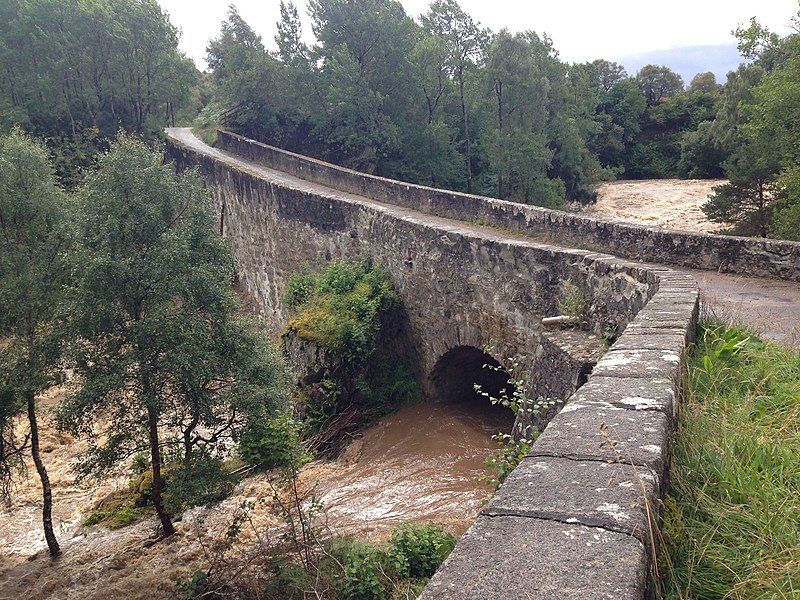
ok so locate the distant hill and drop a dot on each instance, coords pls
(688, 61)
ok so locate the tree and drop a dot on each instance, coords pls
(250, 82)
(773, 122)
(464, 42)
(745, 202)
(32, 245)
(609, 73)
(704, 83)
(756, 126)
(657, 83)
(620, 116)
(701, 155)
(574, 127)
(364, 48)
(720, 113)
(291, 47)
(517, 143)
(732, 113)
(77, 72)
(165, 365)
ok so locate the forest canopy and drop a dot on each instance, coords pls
(439, 100)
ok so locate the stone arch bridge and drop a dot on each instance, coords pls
(576, 519)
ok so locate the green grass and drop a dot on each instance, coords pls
(732, 515)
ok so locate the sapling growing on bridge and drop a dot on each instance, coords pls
(515, 445)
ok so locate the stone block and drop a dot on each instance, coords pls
(652, 364)
(641, 338)
(614, 496)
(588, 432)
(522, 558)
(631, 393)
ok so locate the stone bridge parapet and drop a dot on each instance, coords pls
(579, 517)
(729, 254)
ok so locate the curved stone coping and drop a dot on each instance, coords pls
(747, 256)
(579, 516)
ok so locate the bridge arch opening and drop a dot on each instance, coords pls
(459, 369)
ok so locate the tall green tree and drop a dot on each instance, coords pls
(704, 83)
(573, 127)
(367, 79)
(517, 142)
(757, 126)
(609, 73)
(745, 203)
(76, 72)
(430, 135)
(774, 118)
(658, 83)
(165, 365)
(33, 241)
(289, 36)
(620, 117)
(669, 144)
(464, 42)
(251, 84)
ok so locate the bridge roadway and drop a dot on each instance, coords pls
(768, 306)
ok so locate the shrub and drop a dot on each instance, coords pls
(289, 581)
(271, 443)
(418, 550)
(340, 307)
(363, 576)
(196, 587)
(513, 447)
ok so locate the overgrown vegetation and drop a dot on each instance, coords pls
(330, 568)
(732, 523)
(340, 307)
(349, 311)
(572, 302)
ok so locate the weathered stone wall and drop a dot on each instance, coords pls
(747, 256)
(458, 289)
(576, 519)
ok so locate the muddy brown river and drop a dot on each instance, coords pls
(423, 463)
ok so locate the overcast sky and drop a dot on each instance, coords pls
(582, 30)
